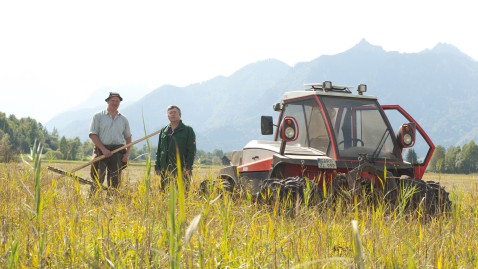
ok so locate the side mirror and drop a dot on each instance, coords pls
(267, 127)
(289, 129)
(406, 135)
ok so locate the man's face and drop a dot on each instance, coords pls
(114, 102)
(173, 115)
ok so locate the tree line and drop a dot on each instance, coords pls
(17, 136)
(455, 159)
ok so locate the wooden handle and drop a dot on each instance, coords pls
(80, 179)
(99, 158)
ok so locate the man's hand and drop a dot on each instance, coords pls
(106, 152)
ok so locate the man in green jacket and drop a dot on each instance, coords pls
(176, 136)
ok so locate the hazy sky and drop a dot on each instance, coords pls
(54, 54)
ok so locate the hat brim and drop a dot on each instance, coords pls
(121, 99)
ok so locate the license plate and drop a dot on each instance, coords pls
(327, 164)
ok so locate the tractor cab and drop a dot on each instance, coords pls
(342, 126)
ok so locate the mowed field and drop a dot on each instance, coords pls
(52, 222)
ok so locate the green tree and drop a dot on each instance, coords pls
(23, 133)
(217, 153)
(466, 160)
(87, 149)
(437, 162)
(51, 139)
(451, 156)
(200, 156)
(74, 149)
(6, 154)
(63, 147)
(4, 124)
(33, 131)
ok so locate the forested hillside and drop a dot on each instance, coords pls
(18, 136)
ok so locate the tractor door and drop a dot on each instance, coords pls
(420, 154)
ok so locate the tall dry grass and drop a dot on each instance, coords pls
(143, 227)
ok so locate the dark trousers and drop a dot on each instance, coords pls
(170, 174)
(109, 168)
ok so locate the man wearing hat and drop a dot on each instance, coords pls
(109, 130)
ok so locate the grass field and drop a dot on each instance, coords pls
(52, 223)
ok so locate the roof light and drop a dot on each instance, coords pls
(361, 89)
(327, 85)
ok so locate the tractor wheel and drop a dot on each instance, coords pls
(402, 194)
(341, 188)
(427, 196)
(291, 188)
(269, 190)
(441, 197)
(226, 184)
(294, 188)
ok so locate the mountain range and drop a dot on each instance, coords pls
(437, 86)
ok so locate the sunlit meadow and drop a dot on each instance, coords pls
(53, 223)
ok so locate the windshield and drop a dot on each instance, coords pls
(359, 128)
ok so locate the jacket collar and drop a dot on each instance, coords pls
(180, 125)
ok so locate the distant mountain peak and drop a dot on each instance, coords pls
(446, 48)
(365, 46)
(364, 42)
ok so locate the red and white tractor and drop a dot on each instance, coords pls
(329, 141)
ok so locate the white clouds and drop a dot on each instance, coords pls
(61, 48)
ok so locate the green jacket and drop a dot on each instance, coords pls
(185, 138)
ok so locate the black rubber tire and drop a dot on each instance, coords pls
(283, 189)
(429, 196)
(226, 184)
(405, 194)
